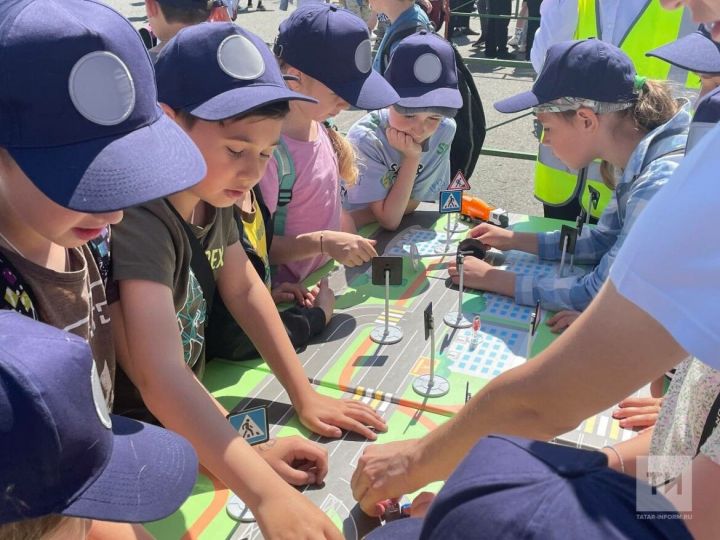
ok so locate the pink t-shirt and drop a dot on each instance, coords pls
(315, 204)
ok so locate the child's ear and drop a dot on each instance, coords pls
(151, 7)
(588, 118)
(169, 111)
(294, 78)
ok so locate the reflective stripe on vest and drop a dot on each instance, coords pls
(653, 27)
(556, 185)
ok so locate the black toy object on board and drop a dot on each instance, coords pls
(472, 247)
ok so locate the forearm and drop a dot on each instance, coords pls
(574, 378)
(527, 242)
(390, 211)
(623, 456)
(287, 249)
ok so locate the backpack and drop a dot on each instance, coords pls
(17, 295)
(470, 119)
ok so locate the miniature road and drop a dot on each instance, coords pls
(506, 183)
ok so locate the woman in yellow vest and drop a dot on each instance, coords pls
(593, 106)
(636, 27)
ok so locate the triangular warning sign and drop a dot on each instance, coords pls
(249, 429)
(459, 182)
(451, 203)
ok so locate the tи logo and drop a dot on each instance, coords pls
(664, 487)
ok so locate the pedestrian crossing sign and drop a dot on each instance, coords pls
(459, 182)
(251, 424)
(450, 201)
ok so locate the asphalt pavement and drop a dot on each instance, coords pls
(503, 182)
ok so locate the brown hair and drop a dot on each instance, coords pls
(275, 110)
(199, 12)
(31, 529)
(654, 106)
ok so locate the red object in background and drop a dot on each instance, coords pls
(219, 14)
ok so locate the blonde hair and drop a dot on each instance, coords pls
(31, 529)
(654, 106)
(344, 151)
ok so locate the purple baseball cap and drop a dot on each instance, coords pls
(706, 117)
(422, 71)
(61, 452)
(695, 52)
(333, 46)
(509, 487)
(218, 70)
(79, 111)
(589, 69)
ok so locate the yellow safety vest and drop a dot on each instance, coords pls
(555, 184)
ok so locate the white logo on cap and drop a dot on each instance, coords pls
(427, 68)
(99, 399)
(240, 58)
(363, 56)
(102, 89)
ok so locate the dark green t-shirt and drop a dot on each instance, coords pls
(150, 244)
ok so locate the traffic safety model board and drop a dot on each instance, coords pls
(450, 201)
(252, 425)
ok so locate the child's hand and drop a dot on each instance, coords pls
(403, 142)
(325, 299)
(325, 416)
(293, 292)
(474, 274)
(348, 249)
(561, 320)
(493, 236)
(421, 503)
(638, 412)
(291, 516)
(297, 460)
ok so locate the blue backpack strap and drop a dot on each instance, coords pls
(286, 179)
(15, 295)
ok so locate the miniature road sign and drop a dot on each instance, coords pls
(580, 221)
(535, 317)
(428, 319)
(594, 197)
(251, 424)
(430, 385)
(468, 396)
(459, 182)
(450, 201)
(456, 319)
(568, 237)
(238, 510)
(386, 271)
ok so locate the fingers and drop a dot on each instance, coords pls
(368, 415)
(296, 476)
(561, 320)
(635, 401)
(309, 456)
(639, 421)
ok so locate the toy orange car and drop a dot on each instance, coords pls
(475, 209)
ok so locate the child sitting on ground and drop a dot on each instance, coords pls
(404, 150)
(326, 52)
(62, 454)
(171, 254)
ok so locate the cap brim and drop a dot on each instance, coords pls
(239, 101)
(440, 97)
(402, 529)
(114, 173)
(693, 52)
(520, 102)
(370, 94)
(150, 473)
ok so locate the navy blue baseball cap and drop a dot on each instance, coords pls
(422, 71)
(61, 452)
(695, 52)
(233, 72)
(706, 117)
(333, 46)
(79, 111)
(588, 69)
(509, 487)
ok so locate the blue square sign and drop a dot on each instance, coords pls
(450, 202)
(251, 424)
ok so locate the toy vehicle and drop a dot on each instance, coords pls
(474, 209)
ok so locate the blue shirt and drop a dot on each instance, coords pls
(413, 17)
(378, 162)
(649, 168)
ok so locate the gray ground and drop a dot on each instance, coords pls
(501, 181)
